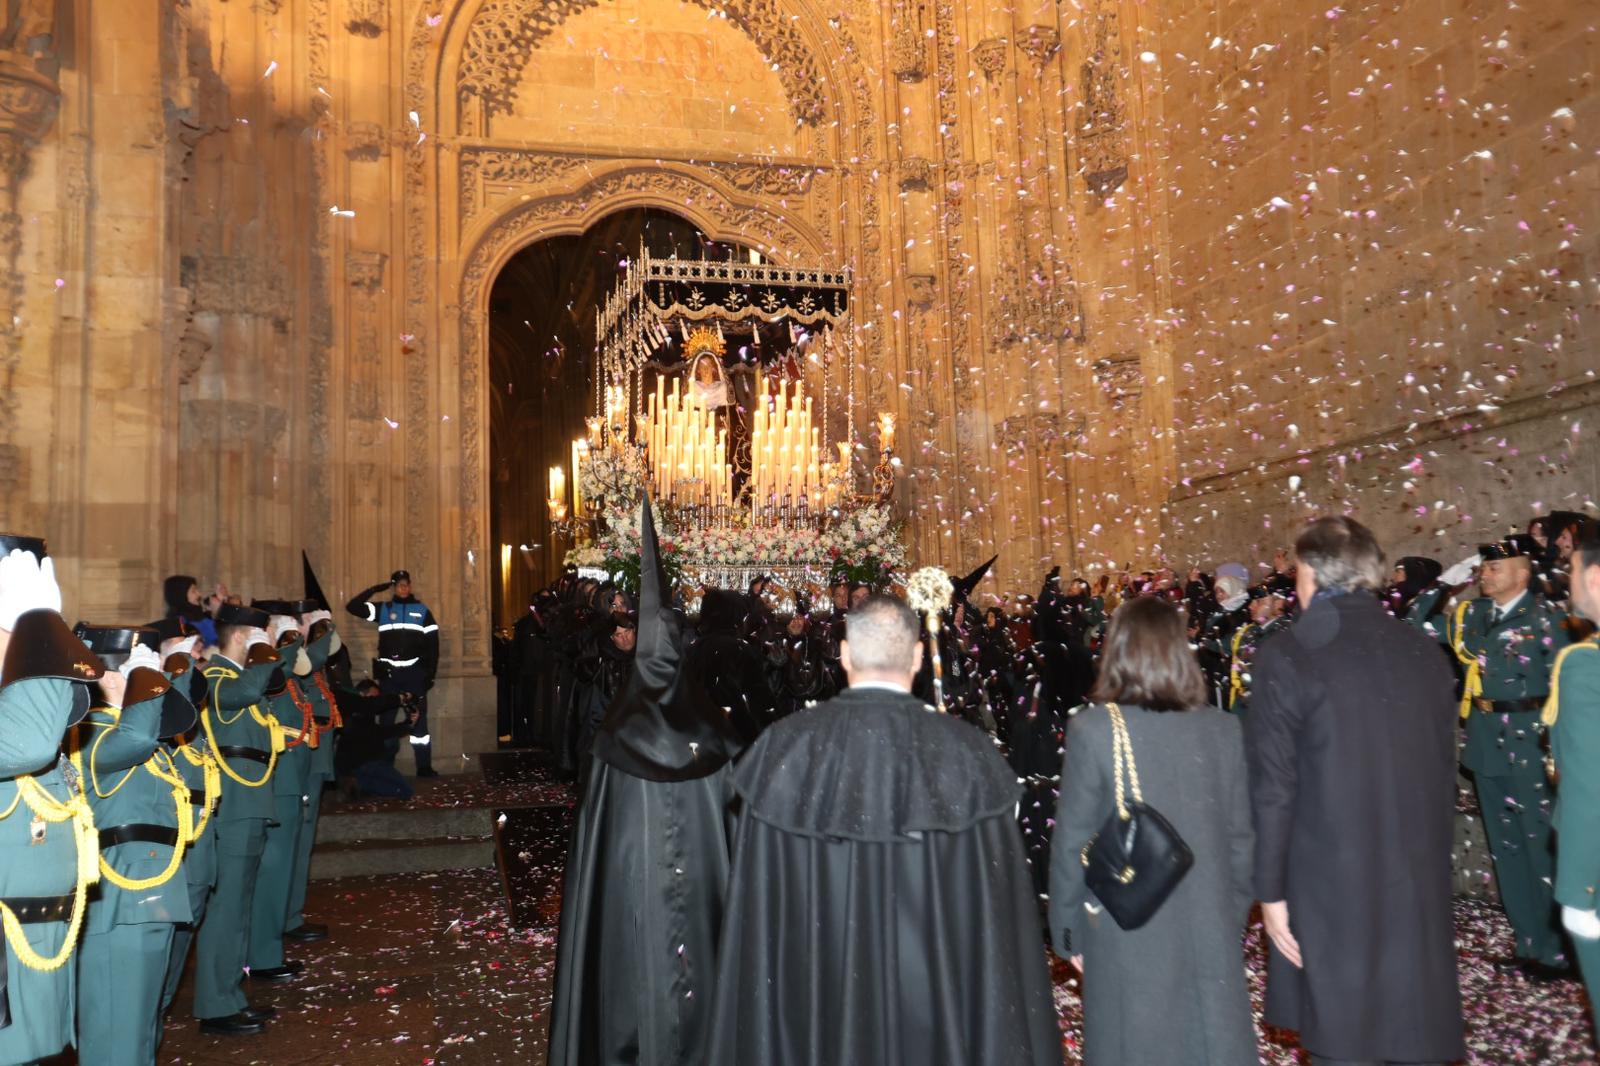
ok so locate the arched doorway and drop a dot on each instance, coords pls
(541, 377)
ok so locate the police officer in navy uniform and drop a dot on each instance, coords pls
(408, 653)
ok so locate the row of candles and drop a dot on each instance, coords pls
(687, 453)
(688, 463)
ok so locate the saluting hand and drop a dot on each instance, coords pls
(1275, 916)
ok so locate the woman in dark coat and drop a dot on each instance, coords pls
(1173, 990)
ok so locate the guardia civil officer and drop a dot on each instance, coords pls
(141, 809)
(1506, 641)
(47, 848)
(244, 736)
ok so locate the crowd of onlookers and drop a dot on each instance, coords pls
(1315, 773)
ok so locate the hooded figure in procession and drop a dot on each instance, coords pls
(648, 865)
(880, 908)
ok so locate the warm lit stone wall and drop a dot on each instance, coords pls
(1384, 236)
(1107, 254)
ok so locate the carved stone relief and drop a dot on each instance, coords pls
(1040, 43)
(1102, 146)
(366, 17)
(916, 173)
(505, 33)
(366, 141)
(1121, 379)
(990, 57)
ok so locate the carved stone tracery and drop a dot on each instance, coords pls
(1102, 147)
(505, 33)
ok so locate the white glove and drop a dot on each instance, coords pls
(311, 619)
(281, 624)
(189, 646)
(257, 636)
(302, 664)
(1461, 573)
(1585, 925)
(139, 656)
(334, 643)
(26, 585)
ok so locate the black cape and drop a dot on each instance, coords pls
(880, 909)
(648, 865)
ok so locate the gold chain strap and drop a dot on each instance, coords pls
(1122, 752)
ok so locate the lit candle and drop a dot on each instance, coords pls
(558, 484)
(580, 449)
(886, 431)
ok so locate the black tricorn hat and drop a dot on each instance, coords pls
(177, 713)
(273, 606)
(113, 643)
(10, 542)
(1516, 546)
(400, 575)
(42, 646)
(662, 725)
(230, 614)
(301, 607)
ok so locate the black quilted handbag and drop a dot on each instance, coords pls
(1137, 859)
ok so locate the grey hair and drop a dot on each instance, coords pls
(883, 633)
(1343, 553)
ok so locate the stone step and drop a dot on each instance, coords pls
(335, 827)
(364, 858)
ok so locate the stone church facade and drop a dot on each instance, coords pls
(1141, 281)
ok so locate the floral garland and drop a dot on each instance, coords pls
(863, 546)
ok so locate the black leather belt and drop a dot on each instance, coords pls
(253, 754)
(1510, 706)
(138, 833)
(197, 796)
(31, 910)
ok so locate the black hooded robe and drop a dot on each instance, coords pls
(880, 910)
(648, 865)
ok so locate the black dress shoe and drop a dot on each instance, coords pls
(306, 932)
(286, 972)
(428, 772)
(233, 1025)
(1544, 973)
(259, 1014)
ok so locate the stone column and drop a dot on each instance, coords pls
(28, 101)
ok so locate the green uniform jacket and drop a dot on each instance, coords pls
(1515, 656)
(116, 746)
(33, 718)
(1575, 741)
(235, 691)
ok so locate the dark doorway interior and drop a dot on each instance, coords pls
(541, 373)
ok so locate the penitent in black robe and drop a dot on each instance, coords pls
(880, 910)
(648, 864)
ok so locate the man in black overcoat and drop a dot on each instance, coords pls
(648, 864)
(1351, 742)
(880, 910)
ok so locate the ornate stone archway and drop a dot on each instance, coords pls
(470, 202)
(719, 215)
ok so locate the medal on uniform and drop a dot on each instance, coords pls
(36, 829)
